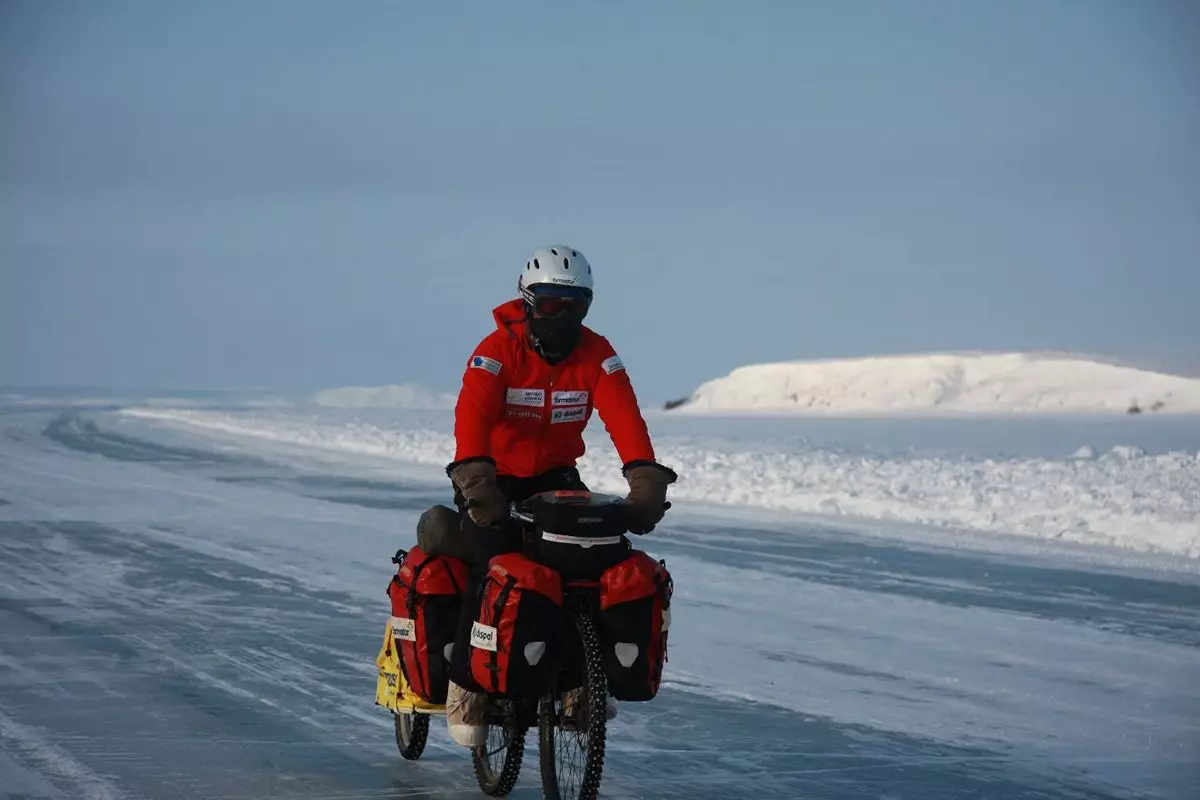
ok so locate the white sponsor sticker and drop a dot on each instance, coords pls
(490, 364)
(576, 414)
(580, 541)
(612, 364)
(403, 628)
(534, 398)
(569, 399)
(483, 637)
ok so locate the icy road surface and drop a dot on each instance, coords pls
(185, 618)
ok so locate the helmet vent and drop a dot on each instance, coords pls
(554, 250)
(566, 264)
(536, 265)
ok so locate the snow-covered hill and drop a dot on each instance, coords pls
(959, 383)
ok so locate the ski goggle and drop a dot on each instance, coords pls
(554, 304)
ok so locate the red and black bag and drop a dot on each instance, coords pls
(427, 597)
(516, 630)
(635, 614)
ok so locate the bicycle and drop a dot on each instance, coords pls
(571, 715)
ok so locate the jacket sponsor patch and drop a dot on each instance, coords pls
(576, 414)
(534, 398)
(569, 398)
(490, 364)
(612, 364)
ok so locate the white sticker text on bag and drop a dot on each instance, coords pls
(403, 628)
(483, 637)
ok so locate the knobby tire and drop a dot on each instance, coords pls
(497, 777)
(561, 751)
(412, 731)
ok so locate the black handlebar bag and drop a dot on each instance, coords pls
(577, 533)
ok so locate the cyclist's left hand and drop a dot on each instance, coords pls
(648, 482)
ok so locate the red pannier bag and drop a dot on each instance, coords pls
(516, 630)
(635, 614)
(427, 597)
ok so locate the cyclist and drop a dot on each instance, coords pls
(528, 391)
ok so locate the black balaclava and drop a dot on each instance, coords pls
(554, 338)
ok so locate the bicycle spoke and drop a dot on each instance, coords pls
(497, 745)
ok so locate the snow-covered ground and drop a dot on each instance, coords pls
(406, 395)
(948, 383)
(1106, 489)
(191, 602)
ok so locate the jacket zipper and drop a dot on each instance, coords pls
(547, 410)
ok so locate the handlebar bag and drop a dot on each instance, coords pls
(578, 539)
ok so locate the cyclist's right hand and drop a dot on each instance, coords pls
(486, 504)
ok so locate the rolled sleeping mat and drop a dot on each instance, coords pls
(439, 532)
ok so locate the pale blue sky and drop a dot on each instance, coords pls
(298, 194)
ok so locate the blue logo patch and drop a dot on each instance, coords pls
(483, 362)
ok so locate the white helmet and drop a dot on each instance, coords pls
(557, 265)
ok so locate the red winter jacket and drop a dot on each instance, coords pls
(529, 416)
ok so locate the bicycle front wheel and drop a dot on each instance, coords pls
(498, 762)
(572, 726)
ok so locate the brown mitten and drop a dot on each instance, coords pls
(648, 484)
(486, 504)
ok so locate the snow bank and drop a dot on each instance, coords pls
(414, 445)
(963, 383)
(1121, 497)
(407, 395)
